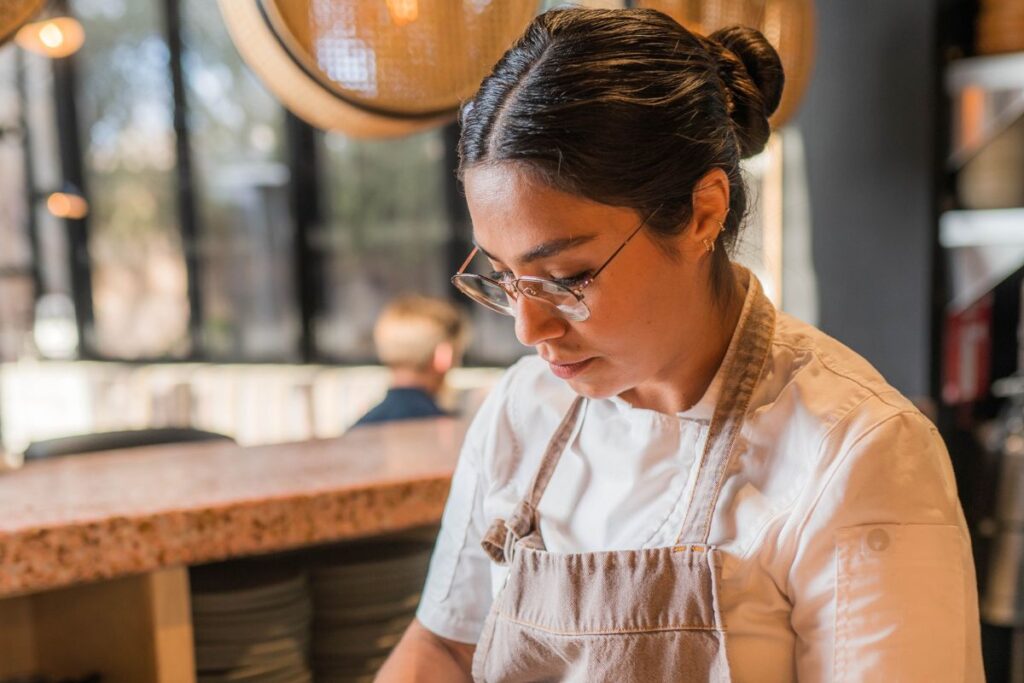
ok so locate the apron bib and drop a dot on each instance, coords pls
(632, 615)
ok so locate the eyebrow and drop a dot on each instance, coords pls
(545, 250)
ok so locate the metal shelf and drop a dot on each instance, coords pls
(984, 248)
(981, 228)
(994, 72)
(988, 96)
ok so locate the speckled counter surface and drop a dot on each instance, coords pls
(83, 518)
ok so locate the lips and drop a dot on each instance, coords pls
(569, 370)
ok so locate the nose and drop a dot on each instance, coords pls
(537, 322)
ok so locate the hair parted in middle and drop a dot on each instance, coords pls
(628, 108)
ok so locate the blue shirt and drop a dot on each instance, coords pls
(402, 403)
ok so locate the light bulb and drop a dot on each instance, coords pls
(51, 36)
(66, 205)
(403, 11)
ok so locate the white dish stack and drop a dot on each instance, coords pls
(363, 599)
(251, 622)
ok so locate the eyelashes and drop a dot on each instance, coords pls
(506, 277)
(574, 280)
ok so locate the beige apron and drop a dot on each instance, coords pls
(631, 615)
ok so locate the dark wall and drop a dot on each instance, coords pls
(867, 120)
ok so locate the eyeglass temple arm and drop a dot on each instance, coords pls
(623, 245)
(469, 258)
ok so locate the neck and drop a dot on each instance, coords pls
(691, 373)
(412, 378)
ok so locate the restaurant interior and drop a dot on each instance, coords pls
(206, 206)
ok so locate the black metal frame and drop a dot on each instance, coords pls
(187, 212)
(73, 172)
(307, 214)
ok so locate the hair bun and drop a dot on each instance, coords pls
(752, 72)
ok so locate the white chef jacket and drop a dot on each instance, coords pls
(846, 554)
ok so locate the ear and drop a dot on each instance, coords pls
(444, 358)
(710, 206)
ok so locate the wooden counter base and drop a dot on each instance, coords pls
(94, 548)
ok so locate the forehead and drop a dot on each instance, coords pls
(513, 211)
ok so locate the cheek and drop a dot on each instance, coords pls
(650, 304)
(628, 322)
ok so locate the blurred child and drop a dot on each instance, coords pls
(420, 339)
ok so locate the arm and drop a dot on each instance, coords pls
(439, 643)
(881, 577)
(424, 656)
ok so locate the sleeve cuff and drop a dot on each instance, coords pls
(444, 623)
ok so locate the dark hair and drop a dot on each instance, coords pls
(628, 108)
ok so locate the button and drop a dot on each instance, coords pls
(878, 540)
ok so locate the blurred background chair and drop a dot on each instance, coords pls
(108, 441)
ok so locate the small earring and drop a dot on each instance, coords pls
(708, 244)
(721, 225)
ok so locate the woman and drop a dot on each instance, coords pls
(683, 484)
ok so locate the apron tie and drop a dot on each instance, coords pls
(500, 540)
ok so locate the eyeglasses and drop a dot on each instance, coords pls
(500, 295)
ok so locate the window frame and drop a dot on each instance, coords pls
(306, 186)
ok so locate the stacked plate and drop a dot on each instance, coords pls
(251, 622)
(1001, 26)
(363, 599)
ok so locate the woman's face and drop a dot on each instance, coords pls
(650, 312)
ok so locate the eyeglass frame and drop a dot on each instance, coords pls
(511, 287)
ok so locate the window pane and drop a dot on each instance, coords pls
(55, 329)
(125, 109)
(246, 248)
(494, 338)
(15, 253)
(385, 234)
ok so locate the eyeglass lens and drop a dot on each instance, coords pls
(495, 297)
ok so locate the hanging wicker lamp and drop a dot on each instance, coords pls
(374, 68)
(14, 13)
(787, 24)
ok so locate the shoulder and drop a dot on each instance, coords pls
(401, 404)
(820, 406)
(823, 382)
(838, 429)
(829, 443)
(526, 404)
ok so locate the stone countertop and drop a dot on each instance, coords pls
(81, 518)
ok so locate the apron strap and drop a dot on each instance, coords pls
(500, 539)
(742, 367)
(554, 453)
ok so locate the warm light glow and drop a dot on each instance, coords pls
(51, 36)
(57, 37)
(64, 205)
(403, 11)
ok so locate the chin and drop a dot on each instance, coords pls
(595, 388)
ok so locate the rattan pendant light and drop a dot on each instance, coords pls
(374, 68)
(787, 24)
(14, 13)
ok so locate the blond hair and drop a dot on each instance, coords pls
(411, 327)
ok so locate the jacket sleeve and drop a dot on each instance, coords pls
(457, 595)
(882, 579)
